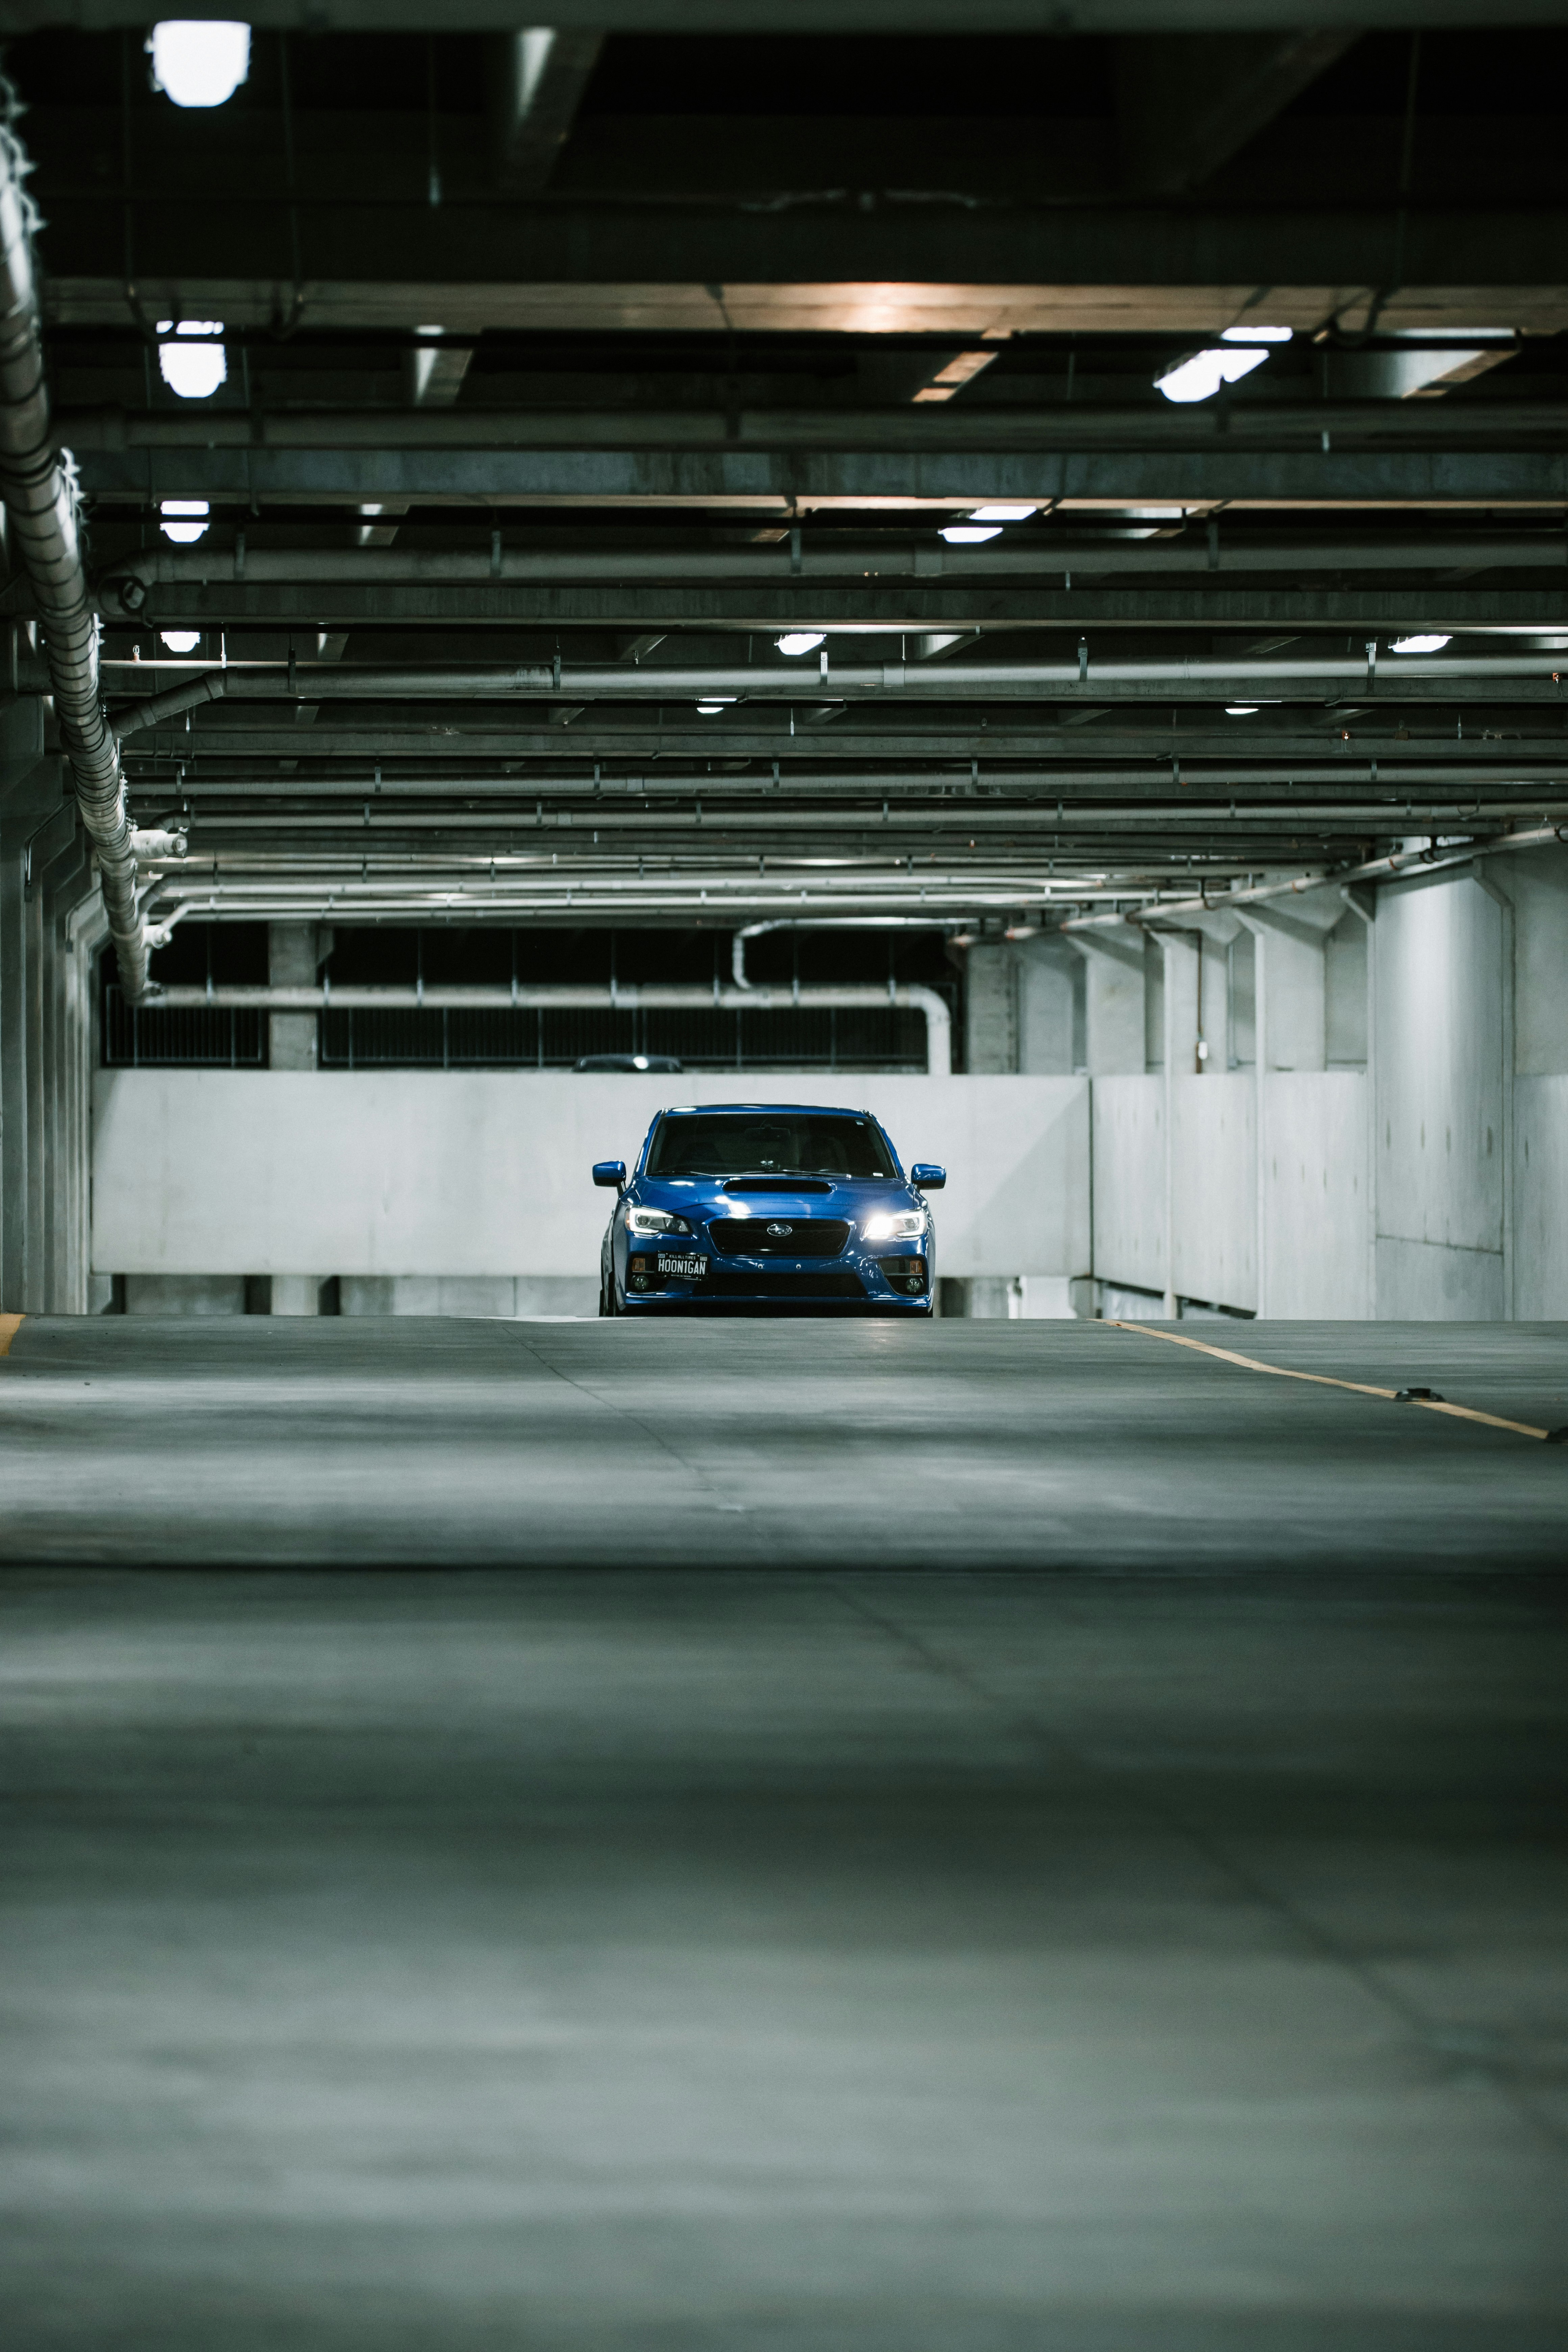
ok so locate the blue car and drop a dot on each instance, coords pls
(765, 1204)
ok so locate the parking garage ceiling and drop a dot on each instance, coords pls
(552, 474)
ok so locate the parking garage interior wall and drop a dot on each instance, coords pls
(385, 1174)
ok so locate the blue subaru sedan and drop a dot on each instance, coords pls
(756, 1205)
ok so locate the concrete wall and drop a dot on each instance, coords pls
(294, 1173)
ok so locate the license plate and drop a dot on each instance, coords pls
(684, 1270)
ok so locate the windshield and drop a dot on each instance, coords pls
(769, 1143)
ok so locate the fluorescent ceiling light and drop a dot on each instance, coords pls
(180, 641)
(969, 534)
(1241, 709)
(182, 531)
(1430, 644)
(800, 641)
(1255, 335)
(1001, 514)
(710, 709)
(192, 369)
(1200, 375)
(199, 64)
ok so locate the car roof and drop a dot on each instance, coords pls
(699, 1111)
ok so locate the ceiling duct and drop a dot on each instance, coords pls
(41, 504)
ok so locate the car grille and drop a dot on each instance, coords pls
(779, 1285)
(806, 1237)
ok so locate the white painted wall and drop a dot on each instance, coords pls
(447, 1173)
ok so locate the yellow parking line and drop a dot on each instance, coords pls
(1325, 1381)
(9, 1326)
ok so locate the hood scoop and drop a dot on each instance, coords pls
(777, 1184)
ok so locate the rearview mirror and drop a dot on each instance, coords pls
(925, 1178)
(610, 1172)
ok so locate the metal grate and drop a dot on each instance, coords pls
(202, 1036)
(803, 1237)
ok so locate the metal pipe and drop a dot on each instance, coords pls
(1028, 556)
(822, 923)
(40, 504)
(625, 996)
(1374, 869)
(946, 682)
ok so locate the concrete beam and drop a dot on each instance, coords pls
(1187, 105)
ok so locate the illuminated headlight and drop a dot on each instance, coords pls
(654, 1221)
(891, 1225)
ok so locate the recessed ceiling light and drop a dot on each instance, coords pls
(800, 641)
(1200, 375)
(1427, 644)
(180, 641)
(199, 64)
(192, 369)
(1001, 514)
(1255, 335)
(969, 534)
(178, 517)
(712, 708)
(1241, 709)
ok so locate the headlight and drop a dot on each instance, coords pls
(654, 1221)
(888, 1224)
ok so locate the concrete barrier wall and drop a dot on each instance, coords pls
(445, 1174)
(1130, 1180)
(1540, 1226)
(1213, 1189)
(1317, 1225)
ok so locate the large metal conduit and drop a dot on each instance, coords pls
(1031, 556)
(44, 532)
(624, 997)
(1372, 869)
(855, 681)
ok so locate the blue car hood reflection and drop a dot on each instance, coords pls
(703, 1199)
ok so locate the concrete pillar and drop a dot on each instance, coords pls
(292, 950)
(35, 822)
(1180, 954)
(1050, 988)
(991, 1008)
(1113, 1000)
(1290, 1021)
(296, 1294)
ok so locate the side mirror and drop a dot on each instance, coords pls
(610, 1172)
(925, 1178)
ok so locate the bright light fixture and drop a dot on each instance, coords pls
(1254, 334)
(800, 641)
(712, 708)
(192, 369)
(1241, 709)
(1200, 375)
(179, 519)
(180, 641)
(199, 64)
(969, 534)
(1430, 644)
(1001, 514)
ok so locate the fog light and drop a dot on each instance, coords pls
(639, 1281)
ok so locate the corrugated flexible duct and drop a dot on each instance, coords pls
(41, 510)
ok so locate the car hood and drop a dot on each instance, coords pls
(706, 1199)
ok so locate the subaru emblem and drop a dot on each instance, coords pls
(778, 1230)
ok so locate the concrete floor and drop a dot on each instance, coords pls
(820, 1958)
(251, 1440)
